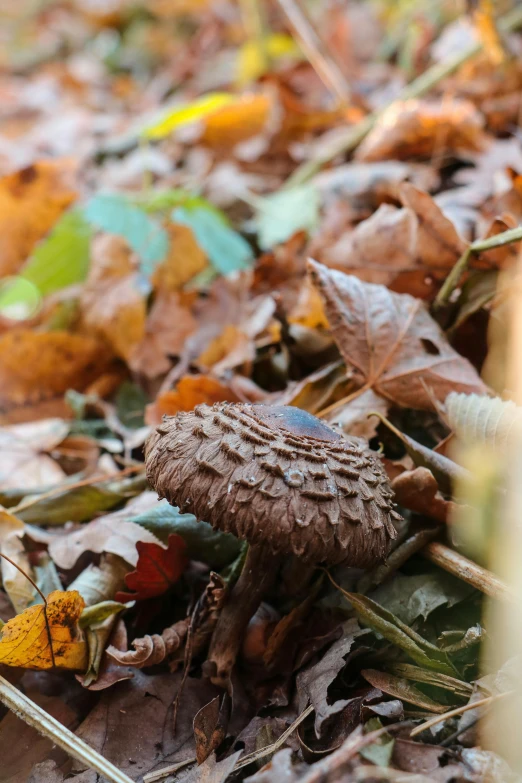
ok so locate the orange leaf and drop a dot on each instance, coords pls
(24, 640)
(157, 569)
(192, 390)
(31, 201)
(36, 366)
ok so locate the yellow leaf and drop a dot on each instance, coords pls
(24, 640)
(238, 121)
(31, 201)
(251, 57)
(187, 113)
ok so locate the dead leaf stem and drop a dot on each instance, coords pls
(458, 711)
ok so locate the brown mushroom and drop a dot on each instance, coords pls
(284, 481)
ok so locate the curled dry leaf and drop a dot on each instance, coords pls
(391, 342)
(424, 128)
(24, 640)
(31, 201)
(157, 569)
(39, 366)
(151, 650)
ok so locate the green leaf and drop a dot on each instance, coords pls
(282, 214)
(203, 543)
(401, 689)
(62, 259)
(74, 505)
(117, 215)
(225, 248)
(98, 613)
(410, 597)
(384, 622)
(130, 405)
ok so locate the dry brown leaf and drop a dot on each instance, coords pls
(410, 250)
(169, 325)
(24, 457)
(184, 261)
(424, 128)
(35, 366)
(418, 490)
(31, 201)
(391, 342)
(24, 640)
(110, 533)
(113, 303)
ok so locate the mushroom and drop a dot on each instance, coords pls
(284, 481)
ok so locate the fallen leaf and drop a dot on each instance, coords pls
(391, 342)
(154, 648)
(242, 119)
(413, 596)
(106, 534)
(38, 366)
(280, 215)
(31, 201)
(21, 592)
(139, 710)
(226, 250)
(168, 327)
(157, 569)
(210, 726)
(117, 215)
(24, 640)
(314, 681)
(424, 128)
(184, 114)
(211, 771)
(418, 491)
(191, 390)
(185, 259)
(24, 454)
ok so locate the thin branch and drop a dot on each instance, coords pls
(269, 749)
(153, 777)
(45, 724)
(418, 87)
(316, 50)
(480, 246)
(457, 711)
(458, 565)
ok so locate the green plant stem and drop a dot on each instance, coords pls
(45, 724)
(480, 246)
(418, 87)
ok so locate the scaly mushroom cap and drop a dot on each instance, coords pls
(276, 476)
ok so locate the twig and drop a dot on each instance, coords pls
(45, 724)
(31, 501)
(152, 777)
(457, 711)
(269, 749)
(396, 559)
(467, 570)
(481, 245)
(316, 50)
(418, 87)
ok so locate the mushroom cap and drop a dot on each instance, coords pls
(276, 476)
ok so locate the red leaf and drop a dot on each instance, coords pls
(157, 569)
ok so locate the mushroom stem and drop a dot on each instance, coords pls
(256, 578)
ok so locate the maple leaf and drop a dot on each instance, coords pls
(25, 639)
(391, 342)
(157, 569)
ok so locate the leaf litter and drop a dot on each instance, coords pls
(189, 217)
